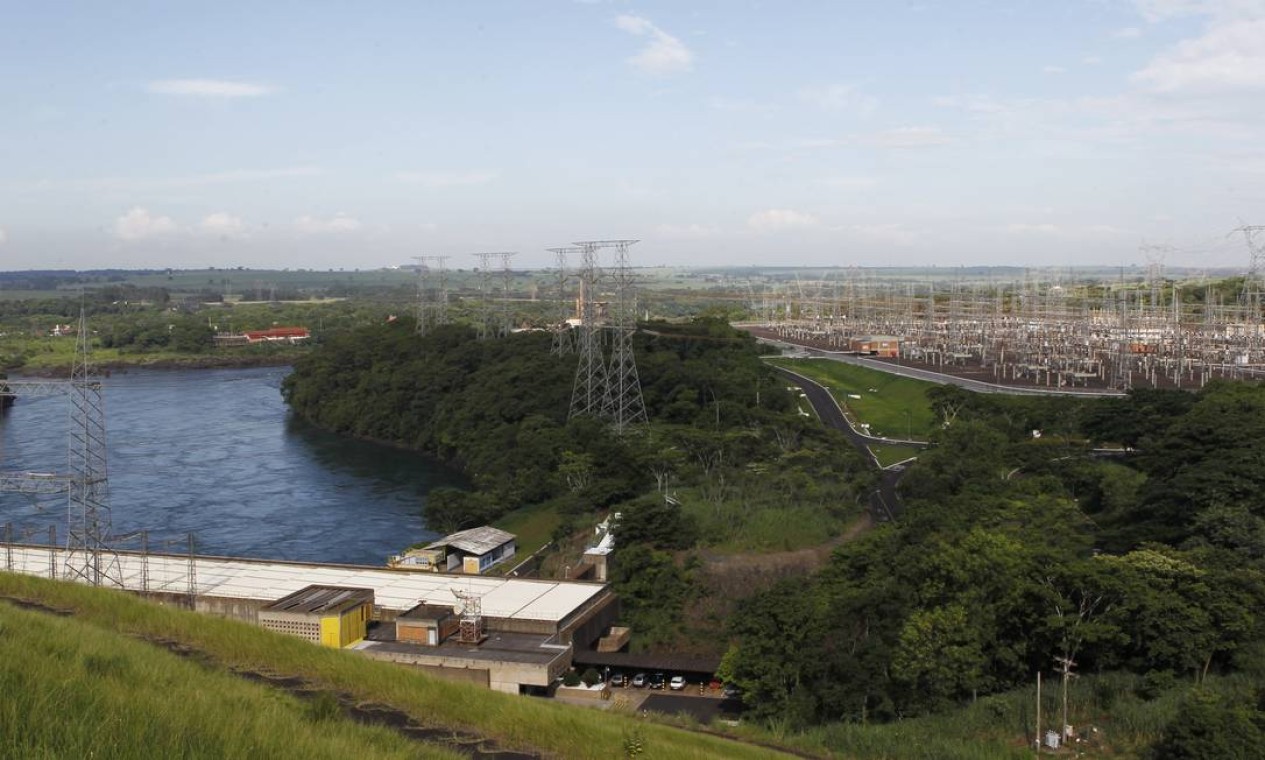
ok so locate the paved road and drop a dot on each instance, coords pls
(885, 502)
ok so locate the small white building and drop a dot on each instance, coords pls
(470, 551)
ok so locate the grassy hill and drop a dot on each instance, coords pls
(108, 675)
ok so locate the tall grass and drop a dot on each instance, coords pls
(68, 689)
(515, 722)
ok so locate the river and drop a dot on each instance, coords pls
(217, 453)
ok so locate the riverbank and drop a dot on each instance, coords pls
(124, 363)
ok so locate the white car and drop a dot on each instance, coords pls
(677, 683)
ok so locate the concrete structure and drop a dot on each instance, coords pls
(332, 616)
(470, 551)
(530, 624)
(426, 624)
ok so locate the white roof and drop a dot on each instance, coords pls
(398, 590)
(475, 540)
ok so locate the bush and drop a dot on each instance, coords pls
(591, 677)
(571, 679)
(1155, 683)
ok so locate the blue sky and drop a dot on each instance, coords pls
(840, 133)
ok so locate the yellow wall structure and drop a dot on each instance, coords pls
(338, 631)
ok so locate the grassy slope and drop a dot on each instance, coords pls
(885, 409)
(513, 721)
(73, 690)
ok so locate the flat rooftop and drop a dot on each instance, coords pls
(498, 647)
(269, 580)
(318, 599)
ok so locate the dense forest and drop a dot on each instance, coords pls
(1021, 546)
(727, 442)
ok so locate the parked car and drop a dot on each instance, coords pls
(677, 683)
(619, 679)
(639, 680)
(731, 692)
(658, 680)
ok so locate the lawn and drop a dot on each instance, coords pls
(892, 405)
(533, 526)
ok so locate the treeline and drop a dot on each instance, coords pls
(725, 437)
(1021, 547)
(498, 408)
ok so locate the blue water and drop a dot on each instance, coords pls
(216, 453)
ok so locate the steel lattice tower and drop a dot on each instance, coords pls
(623, 404)
(562, 343)
(485, 292)
(507, 310)
(432, 293)
(590, 373)
(88, 555)
(614, 392)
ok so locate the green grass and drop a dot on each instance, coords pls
(533, 526)
(73, 690)
(890, 455)
(885, 408)
(514, 722)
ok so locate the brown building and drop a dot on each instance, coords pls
(427, 624)
(885, 346)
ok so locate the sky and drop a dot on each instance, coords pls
(787, 132)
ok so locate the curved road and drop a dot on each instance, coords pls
(885, 503)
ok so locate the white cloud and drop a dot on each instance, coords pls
(1227, 58)
(1053, 70)
(140, 224)
(775, 219)
(1127, 33)
(336, 224)
(663, 53)
(839, 97)
(222, 225)
(909, 137)
(447, 179)
(209, 88)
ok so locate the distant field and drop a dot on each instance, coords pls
(892, 405)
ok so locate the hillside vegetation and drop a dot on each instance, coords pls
(1015, 552)
(102, 682)
(725, 440)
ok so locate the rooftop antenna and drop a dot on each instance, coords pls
(470, 630)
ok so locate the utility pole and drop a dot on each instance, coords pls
(1038, 712)
(1065, 665)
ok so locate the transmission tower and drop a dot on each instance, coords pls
(485, 292)
(623, 404)
(590, 373)
(432, 293)
(88, 556)
(1253, 289)
(562, 330)
(507, 312)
